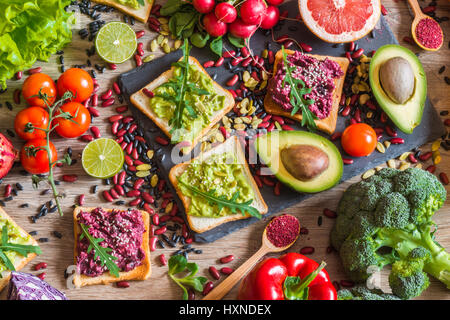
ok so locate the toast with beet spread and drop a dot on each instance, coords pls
(19, 262)
(327, 124)
(141, 101)
(140, 272)
(140, 14)
(201, 224)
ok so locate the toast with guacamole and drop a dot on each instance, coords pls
(208, 102)
(323, 75)
(138, 9)
(17, 248)
(111, 245)
(217, 187)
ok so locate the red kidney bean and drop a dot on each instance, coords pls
(96, 87)
(390, 131)
(115, 118)
(41, 265)
(207, 288)
(189, 240)
(431, 168)
(397, 141)
(429, 9)
(358, 53)
(447, 122)
(244, 52)
(8, 190)
(347, 161)
(140, 49)
(208, 64)
(219, 62)
(122, 176)
(120, 191)
(161, 141)
(246, 62)
(288, 43)
(351, 46)
(444, 178)
(347, 283)
(41, 275)
(93, 112)
(329, 213)
(112, 66)
(236, 61)
(148, 93)
(346, 111)
(95, 132)
(94, 100)
(17, 96)
(132, 128)
(161, 230)
(307, 250)
(70, 177)
(305, 47)
(232, 81)
(229, 54)
(135, 202)
(133, 193)
(271, 127)
(371, 105)
(138, 60)
(155, 219)
(304, 230)
(107, 196)
(271, 57)
(114, 193)
(147, 197)
(383, 10)
(87, 137)
(121, 132)
(357, 115)
(258, 181)
(147, 208)
(123, 284)
(162, 259)
(35, 70)
(138, 184)
(425, 156)
(335, 136)
(114, 127)
(277, 188)
(287, 128)
(140, 34)
(152, 243)
(116, 88)
(19, 75)
(227, 259)
(154, 28)
(214, 272)
(107, 95)
(108, 102)
(174, 210)
(226, 270)
(348, 55)
(81, 199)
(278, 119)
(412, 158)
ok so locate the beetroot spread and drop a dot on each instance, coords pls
(122, 231)
(317, 74)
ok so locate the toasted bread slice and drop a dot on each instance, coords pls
(202, 224)
(140, 14)
(141, 272)
(141, 101)
(329, 123)
(20, 261)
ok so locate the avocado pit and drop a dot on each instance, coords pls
(304, 162)
(397, 79)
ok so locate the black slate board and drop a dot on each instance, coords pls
(431, 127)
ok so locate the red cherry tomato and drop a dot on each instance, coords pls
(359, 140)
(36, 82)
(67, 128)
(36, 162)
(77, 81)
(36, 116)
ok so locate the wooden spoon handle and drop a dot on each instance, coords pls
(416, 8)
(226, 285)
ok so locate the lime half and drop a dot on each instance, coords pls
(116, 42)
(102, 158)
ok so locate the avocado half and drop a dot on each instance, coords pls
(269, 148)
(408, 115)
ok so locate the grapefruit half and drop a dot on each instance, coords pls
(339, 21)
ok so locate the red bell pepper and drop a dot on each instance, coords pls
(290, 277)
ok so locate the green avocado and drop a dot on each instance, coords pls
(302, 160)
(399, 84)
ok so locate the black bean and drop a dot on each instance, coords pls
(447, 80)
(57, 234)
(53, 209)
(441, 69)
(8, 198)
(2, 203)
(24, 205)
(198, 251)
(444, 113)
(319, 221)
(177, 252)
(43, 240)
(9, 105)
(120, 202)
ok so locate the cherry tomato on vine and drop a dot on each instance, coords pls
(36, 117)
(36, 161)
(67, 128)
(36, 82)
(77, 81)
(359, 140)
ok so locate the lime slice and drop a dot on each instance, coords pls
(116, 42)
(102, 158)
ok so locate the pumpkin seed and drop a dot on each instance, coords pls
(404, 156)
(404, 166)
(369, 115)
(246, 120)
(368, 173)
(166, 48)
(387, 143)
(159, 39)
(220, 137)
(380, 147)
(163, 20)
(436, 157)
(238, 120)
(363, 98)
(239, 126)
(150, 154)
(154, 180)
(391, 163)
(177, 44)
(142, 174)
(143, 167)
(436, 145)
(168, 207)
(149, 58)
(263, 84)
(265, 54)
(246, 76)
(378, 168)
(153, 45)
(418, 166)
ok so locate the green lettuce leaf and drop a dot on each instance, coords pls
(29, 31)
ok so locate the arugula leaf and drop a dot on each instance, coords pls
(296, 96)
(223, 202)
(100, 252)
(235, 41)
(216, 46)
(21, 249)
(171, 6)
(177, 264)
(141, 2)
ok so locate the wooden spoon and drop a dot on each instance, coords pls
(266, 247)
(418, 16)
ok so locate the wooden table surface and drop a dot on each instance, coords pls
(59, 255)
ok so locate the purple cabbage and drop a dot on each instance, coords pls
(25, 286)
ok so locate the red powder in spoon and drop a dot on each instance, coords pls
(429, 33)
(283, 230)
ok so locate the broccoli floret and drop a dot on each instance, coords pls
(386, 219)
(362, 293)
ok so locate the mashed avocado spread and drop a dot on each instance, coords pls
(219, 172)
(130, 3)
(204, 105)
(14, 236)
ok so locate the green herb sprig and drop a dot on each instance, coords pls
(223, 202)
(177, 264)
(296, 96)
(181, 86)
(100, 252)
(21, 249)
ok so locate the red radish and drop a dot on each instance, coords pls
(213, 26)
(275, 2)
(203, 6)
(225, 12)
(240, 29)
(252, 11)
(271, 18)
